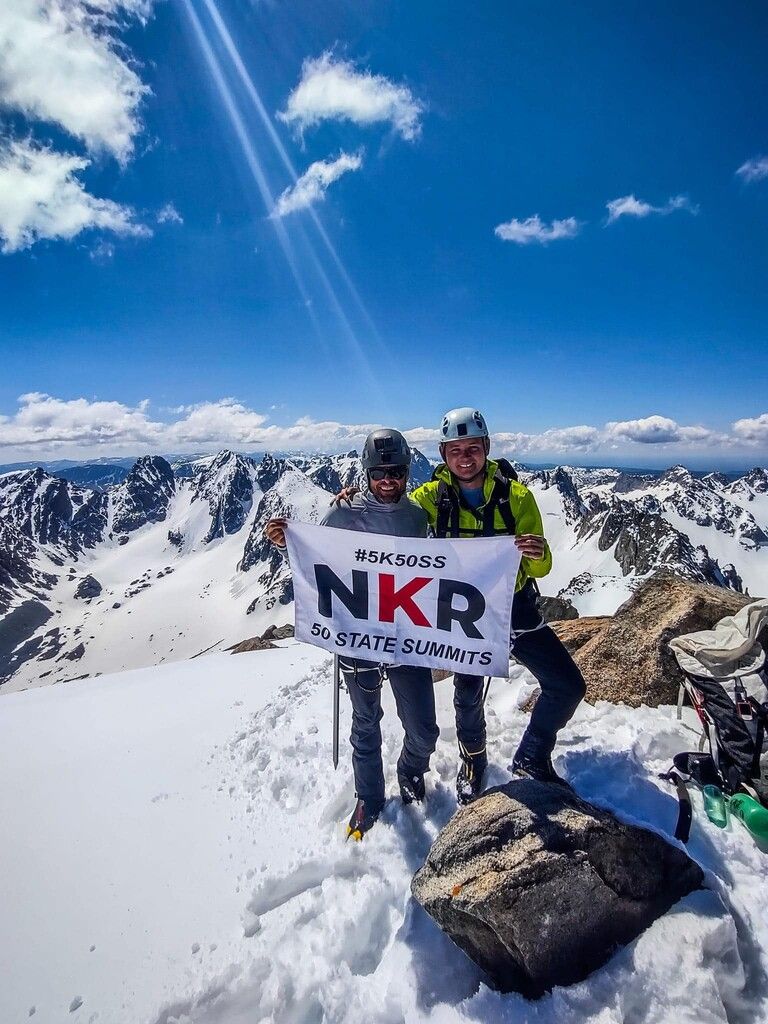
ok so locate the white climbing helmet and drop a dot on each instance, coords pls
(460, 423)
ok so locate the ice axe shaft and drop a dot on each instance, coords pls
(336, 691)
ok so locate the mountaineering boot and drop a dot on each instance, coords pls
(470, 778)
(364, 817)
(538, 768)
(412, 787)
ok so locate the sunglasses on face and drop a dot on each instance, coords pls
(393, 472)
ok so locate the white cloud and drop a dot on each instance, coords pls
(52, 422)
(525, 232)
(630, 206)
(332, 89)
(650, 430)
(60, 63)
(662, 430)
(168, 214)
(48, 427)
(755, 429)
(311, 186)
(754, 170)
(41, 197)
(562, 439)
(210, 423)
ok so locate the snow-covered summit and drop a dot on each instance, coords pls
(193, 869)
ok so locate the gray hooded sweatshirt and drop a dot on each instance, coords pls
(402, 518)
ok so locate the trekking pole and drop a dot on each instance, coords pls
(487, 688)
(336, 689)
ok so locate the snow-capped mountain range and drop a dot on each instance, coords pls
(171, 561)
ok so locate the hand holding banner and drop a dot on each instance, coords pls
(405, 601)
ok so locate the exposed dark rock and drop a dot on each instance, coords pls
(421, 469)
(226, 484)
(540, 888)
(176, 537)
(123, 539)
(254, 643)
(757, 480)
(625, 658)
(16, 627)
(87, 588)
(19, 574)
(52, 511)
(75, 654)
(555, 609)
(574, 508)
(627, 482)
(278, 632)
(332, 473)
(732, 579)
(144, 495)
(269, 471)
(645, 541)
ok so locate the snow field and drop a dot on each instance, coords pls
(186, 822)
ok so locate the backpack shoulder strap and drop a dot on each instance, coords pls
(499, 499)
(507, 469)
(447, 521)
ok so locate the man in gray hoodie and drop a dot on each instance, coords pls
(382, 507)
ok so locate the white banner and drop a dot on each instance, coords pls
(404, 601)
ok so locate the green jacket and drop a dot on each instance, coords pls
(521, 501)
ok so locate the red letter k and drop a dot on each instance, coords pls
(391, 599)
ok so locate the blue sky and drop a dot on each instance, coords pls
(452, 245)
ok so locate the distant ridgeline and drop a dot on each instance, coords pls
(112, 564)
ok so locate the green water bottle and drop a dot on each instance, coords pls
(751, 813)
(715, 806)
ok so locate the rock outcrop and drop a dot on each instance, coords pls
(226, 484)
(540, 888)
(625, 658)
(264, 642)
(54, 512)
(88, 587)
(19, 572)
(556, 609)
(144, 495)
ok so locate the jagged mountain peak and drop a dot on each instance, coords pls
(677, 475)
(757, 479)
(144, 495)
(150, 468)
(52, 511)
(227, 484)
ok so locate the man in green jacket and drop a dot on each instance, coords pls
(472, 496)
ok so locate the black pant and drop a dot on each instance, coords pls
(415, 701)
(562, 689)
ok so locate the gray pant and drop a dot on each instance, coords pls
(415, 700)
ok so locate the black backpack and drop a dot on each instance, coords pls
(450, 501)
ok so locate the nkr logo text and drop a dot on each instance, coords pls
(438, 611)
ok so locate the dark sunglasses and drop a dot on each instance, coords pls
(393, 472)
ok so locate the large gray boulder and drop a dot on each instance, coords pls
(625, 658)
(540, 888)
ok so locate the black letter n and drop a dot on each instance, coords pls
(354, 600)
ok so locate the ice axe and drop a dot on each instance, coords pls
(336, 690)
